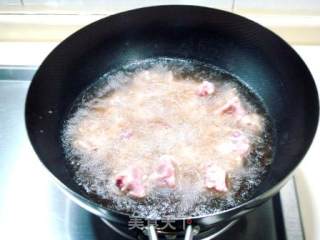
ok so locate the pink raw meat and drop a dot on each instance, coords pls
(235, 148)
(215, 178)
(233, 107)
(130, 182)
(206, 88)
(164, 175)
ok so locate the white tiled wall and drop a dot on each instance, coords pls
(99, 6)
(293, 6)
(10, 2)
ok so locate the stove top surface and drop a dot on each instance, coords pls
(32, 207)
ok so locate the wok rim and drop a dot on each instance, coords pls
(249, 204)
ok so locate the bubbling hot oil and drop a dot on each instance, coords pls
(132, 97)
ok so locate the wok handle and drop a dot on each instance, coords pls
(152, 233)
(189, 233)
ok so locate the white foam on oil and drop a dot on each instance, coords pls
(136, 114)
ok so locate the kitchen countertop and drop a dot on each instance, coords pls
(307, 174)
(16, 53)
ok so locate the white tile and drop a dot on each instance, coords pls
(41, 2)
(294, 6)
(122, 5)
(9, 2)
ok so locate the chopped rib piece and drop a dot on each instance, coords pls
(164, 174)
(130, 182)
(216, 179)
(206, 88)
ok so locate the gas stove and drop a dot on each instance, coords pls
(32, 207)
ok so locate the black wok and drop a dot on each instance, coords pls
(266, 64)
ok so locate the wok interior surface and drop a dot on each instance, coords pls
(145, 141)
(266, 64)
